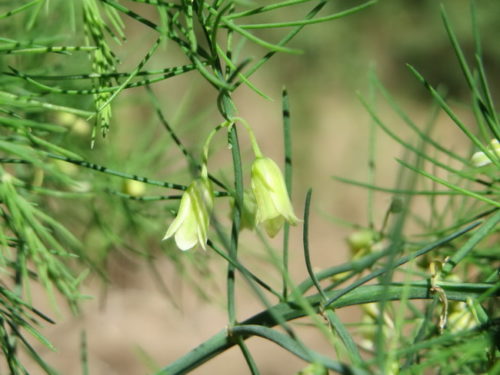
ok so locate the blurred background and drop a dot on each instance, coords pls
(157, 303)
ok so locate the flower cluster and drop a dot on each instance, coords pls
(267, 202)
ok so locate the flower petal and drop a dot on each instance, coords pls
(273, 226)
(479, 159)
(202, 199)
(271, 195)
(186, 237)
(266, 208)
(182, 214)
(191, 224)
(284, 206)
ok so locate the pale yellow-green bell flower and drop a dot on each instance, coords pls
(190, 227)
(273, 202)
(480, 159)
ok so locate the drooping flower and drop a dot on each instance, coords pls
(273, 202)
(480, 159)
(190, 227)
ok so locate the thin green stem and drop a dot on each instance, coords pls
(333, 319)
(85, 76)
(485, 230)
(287, 137)
(244, 271)
(8, 50)
(228, 107)
(442, 103)
(106, 170)
(266, 8)
(208, 141)
(27, 102)
(84, 353)
(305, 241)
(191, 160)
(290, 311)
(404, 191)
(141, 64)
(247, 355)
(403, 260)
(19, 9)
(372, 139)
(457, 188)
(167, 73)
(251, 134)
(309, 21)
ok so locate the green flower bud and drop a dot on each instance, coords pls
(133, 188)
(273, 202)
(190, 227)
(76, 124)
(361, 242)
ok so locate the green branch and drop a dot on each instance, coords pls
(224, 340)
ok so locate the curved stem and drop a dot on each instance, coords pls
(306, 246)
(206, 148)
(251, 134)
